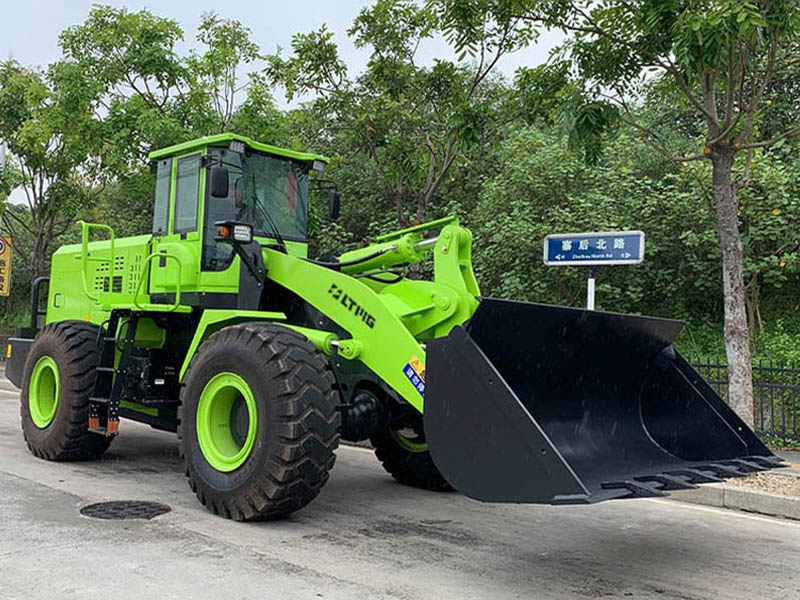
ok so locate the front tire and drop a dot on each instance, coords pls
(58, 380)
(258, 424)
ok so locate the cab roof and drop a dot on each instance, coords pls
(225, 139)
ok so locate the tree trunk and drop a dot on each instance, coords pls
(737, 342)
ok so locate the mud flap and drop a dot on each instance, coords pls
(547, 404)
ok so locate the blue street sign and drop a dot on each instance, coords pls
(597, 248)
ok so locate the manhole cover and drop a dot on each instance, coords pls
(125, 509)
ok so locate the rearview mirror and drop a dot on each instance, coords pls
(219, 182)
(334, 204)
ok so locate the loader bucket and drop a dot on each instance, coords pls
(547, 404)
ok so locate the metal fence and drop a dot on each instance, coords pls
(776, 395)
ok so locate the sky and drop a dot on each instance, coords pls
(29, 29)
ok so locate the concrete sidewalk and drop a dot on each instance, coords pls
(753, 493)
(791, 456)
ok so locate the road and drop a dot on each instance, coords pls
(364, 538)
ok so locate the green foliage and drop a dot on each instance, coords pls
(47, 122)
(115, 47)
(151, 96)
(542, 186)
(413, 124)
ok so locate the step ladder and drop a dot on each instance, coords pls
(104, 403)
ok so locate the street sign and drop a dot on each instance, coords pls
(594, 249)
(5, 266)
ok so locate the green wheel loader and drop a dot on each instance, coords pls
(218, 326)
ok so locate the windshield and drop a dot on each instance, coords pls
(267, 192)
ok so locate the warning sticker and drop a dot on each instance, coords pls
(5, 266)
(415, 371)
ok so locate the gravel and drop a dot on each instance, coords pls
(772, 483)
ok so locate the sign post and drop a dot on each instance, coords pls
(5, 266)
(590, 290)
(592, 249)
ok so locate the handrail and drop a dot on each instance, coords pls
(421, 227)
(85, 258)
(146, 275)
(36, 312)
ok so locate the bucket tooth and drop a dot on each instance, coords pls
(770, 462)
(695, 476)
(743, 465)
(668, 482)
(569, 499)
(721, 470)
(636, 489)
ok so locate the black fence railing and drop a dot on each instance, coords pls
(776, 395)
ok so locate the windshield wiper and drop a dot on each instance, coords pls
(264, 213)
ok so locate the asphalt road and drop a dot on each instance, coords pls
(364, 538)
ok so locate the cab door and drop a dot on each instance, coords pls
(176, 225)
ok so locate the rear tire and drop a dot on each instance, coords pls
(58, 380)
(405, 456)
(258, 423)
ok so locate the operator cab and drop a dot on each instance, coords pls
(233, 179)
(227, 177)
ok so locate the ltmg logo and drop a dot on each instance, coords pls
(351, 305)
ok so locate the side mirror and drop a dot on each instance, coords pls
(334, 204)
(219, 181)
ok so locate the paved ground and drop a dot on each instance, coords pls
(364, 538)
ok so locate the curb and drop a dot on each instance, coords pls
(721, 496)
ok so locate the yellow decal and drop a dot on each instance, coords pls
(417, 365)
(415, 371)
(5, 266)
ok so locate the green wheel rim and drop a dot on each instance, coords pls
(43, 392)
(224, 439)
(409, 444)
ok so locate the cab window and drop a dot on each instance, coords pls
(161, 211)
(187, 193)
(270, 193)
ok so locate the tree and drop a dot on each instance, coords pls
(148, 97)
(47, 122)
(413, 122)
(719, 56)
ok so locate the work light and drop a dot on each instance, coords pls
(243, 233)
(230, 231)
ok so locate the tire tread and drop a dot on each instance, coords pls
(306, 422)
(77, 340)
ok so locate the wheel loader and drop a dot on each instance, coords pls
(219, 327)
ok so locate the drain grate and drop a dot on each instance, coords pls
(125, 509)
